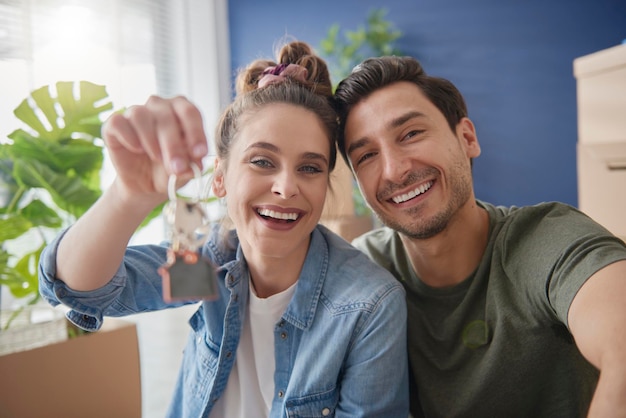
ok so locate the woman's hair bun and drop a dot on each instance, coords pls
(316, 78)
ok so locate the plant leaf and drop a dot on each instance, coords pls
(39, 214)
(22, 279)
(80, 115)
(26, 267)
(81, 156)
(13, 226)
(68, 193)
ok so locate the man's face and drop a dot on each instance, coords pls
(413, 171)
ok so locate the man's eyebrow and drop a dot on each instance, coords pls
(394, 123)
(402, 119)
(356, 145)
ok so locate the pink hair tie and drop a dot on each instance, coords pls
(281, 72)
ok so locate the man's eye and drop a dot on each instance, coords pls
(364, 158)
(413, 134)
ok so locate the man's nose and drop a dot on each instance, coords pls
(396, 165)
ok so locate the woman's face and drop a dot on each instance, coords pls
(275, 180)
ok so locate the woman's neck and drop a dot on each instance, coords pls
(272, 275)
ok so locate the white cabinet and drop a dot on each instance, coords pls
(601, 150)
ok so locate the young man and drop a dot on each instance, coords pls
(512, 312)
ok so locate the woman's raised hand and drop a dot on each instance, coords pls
(148, 143)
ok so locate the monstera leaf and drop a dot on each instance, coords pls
(51, 170)
(80, 115)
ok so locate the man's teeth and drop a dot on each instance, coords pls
(410, 195)
(278, 215)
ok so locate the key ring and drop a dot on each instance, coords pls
(187, 275)
(171, 184)
(186, 217)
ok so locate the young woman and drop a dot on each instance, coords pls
(302, 325)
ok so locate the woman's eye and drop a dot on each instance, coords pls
(261, 162)
(311, 169)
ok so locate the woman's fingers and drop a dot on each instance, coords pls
(192, 126)
(143, 122)
(180, 133)
(117, 132)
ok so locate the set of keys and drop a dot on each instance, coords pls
(187, 275)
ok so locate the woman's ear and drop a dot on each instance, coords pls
(218, 180)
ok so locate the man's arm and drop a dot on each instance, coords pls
(597, 320)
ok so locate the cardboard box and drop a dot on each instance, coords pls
(601, 150)
(602, 184)
(601, 95)
(94, 375)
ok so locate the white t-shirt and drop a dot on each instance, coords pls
(250, 388)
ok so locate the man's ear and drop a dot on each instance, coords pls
(467, 133)
(218, 180)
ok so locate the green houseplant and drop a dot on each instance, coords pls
(50, 173)
(345, 48)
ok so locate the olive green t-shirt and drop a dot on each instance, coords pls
(497, 345)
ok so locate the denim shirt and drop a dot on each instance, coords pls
(340, 346)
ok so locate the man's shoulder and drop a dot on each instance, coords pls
(378, 238)
(530, 212)
(384, 246)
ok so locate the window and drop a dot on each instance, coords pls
(134, 47)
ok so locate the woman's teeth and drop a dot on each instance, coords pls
(278, 215)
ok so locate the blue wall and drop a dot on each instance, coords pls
(511, 60)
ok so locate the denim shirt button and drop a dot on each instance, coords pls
(281, 393)
(325, 412)
(283, 335)
(229, 354)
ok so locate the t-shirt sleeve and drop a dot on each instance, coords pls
(556, 248)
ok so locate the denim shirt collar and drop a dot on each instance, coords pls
(301, 310)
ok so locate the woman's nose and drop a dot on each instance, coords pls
(285, 185)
